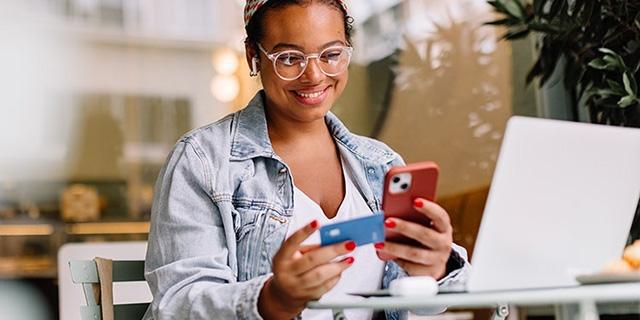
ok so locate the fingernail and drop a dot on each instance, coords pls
(379, 245)
(349, 260)
(418, 203)
(390, 223)
(350, 245)
(314, 224)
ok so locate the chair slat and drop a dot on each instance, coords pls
(85, 271)
(128, 270)
(129, 311)
(91, 313)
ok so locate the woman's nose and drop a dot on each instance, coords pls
(312, 73)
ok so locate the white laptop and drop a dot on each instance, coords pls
(561, 203)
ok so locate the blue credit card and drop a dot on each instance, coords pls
(368, 229)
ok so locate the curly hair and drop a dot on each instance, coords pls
(255, 30)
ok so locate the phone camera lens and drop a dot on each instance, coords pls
(404, 186)
(396, 179)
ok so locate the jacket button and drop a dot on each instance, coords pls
(371, 171)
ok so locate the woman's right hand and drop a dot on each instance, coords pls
(301, 274)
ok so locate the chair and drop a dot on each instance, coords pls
(120, 284)
(98, 289)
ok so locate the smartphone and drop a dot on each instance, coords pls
(401, 186)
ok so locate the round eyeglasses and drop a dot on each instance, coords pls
(290, 64)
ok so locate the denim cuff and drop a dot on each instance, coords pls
(247, 309)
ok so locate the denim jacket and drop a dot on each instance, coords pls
(220, 213)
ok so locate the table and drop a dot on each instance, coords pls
(579, 302)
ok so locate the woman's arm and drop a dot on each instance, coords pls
(187, 264)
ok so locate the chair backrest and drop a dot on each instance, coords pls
(72, 296)
(85, 272)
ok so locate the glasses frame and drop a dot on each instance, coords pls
(275, 55)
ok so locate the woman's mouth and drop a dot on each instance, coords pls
(310, 97)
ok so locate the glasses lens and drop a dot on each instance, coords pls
(334, 61)
(290, 64)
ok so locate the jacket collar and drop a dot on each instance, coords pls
(250, 136)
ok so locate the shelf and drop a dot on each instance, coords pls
(90, 228)
(26, 229)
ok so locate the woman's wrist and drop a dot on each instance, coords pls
(270, 307)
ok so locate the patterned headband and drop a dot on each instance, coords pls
(253, 5)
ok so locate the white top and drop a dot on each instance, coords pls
(366, 272)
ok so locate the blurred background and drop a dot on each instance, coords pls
(96, 92)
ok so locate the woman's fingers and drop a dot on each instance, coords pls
(319, 275)
(439, 217)
(294, 242)
(410, 253)
(322, 255)
(428, 237)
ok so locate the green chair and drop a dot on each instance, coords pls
(97, 277)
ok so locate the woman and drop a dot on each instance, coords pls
(238, 200)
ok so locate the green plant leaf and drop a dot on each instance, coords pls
(616, 87)
(629, 84)
(627, 101)
(612, 62)
(538, 6)
(613, 58)
(515, 8)
(503, 22)
(607, 51)
(544, 27)
(600, 64)
(516, 34)
(605, 93)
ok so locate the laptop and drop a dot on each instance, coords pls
(561, 203)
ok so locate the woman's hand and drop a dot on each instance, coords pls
(431, 258)
(301, 274)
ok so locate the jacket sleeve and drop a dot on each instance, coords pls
(187, 264)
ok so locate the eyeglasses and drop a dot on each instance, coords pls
(290, 64)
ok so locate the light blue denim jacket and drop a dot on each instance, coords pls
(222, 204)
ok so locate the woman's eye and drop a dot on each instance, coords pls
(290, 59)
(331, 56)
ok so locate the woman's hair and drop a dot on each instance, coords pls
(255, 27)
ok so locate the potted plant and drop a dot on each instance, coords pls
(597, 45)
(599, 42)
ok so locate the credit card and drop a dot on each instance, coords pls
(364, 230)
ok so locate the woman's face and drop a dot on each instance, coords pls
(309, 29)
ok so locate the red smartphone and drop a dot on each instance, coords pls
(401, 186)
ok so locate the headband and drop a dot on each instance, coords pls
(253, 5)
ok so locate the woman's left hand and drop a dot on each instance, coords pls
(431, 258)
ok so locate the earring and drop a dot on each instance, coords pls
(254, 67)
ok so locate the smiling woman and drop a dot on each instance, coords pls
(238, 203)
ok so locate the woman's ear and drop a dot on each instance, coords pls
(252, 59)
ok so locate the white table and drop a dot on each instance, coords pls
(580, 302)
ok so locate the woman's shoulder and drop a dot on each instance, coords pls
(376, 149)
(213, 139)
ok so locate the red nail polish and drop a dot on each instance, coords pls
(390, 223)
(349, 260)
(314, 224)
(350, 245)
(418, 203)
(379, 245)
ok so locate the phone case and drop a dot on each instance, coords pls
(401, 186)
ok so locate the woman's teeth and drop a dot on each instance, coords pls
(310, 95)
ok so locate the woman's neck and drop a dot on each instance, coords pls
(288, 131)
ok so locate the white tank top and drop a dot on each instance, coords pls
(366, 272)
